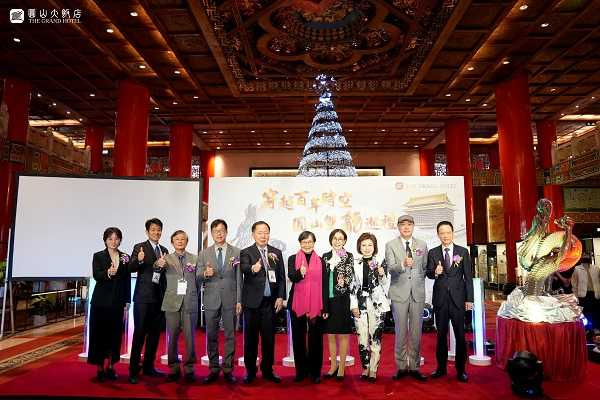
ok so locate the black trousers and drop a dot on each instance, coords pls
(308, 361)
(446, 312)
(260, 321)
(148, 320)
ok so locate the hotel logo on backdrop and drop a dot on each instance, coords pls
(45, 16)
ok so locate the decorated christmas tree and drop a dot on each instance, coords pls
(326, 152)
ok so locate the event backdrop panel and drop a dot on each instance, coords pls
(355, 204)
(59, 221)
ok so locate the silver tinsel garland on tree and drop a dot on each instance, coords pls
(326, 152)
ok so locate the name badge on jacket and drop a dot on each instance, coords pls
(181, 287)
(156, 277)
(272, 276)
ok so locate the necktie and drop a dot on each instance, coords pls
(182, 263)
(447, 257)
(263, 254)
(157, 252)
(220, 261)
(408, 250)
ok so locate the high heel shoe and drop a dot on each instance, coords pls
(340, 377)
(331, 375)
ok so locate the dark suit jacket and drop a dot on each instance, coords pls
(295, 276)
(456, 283)
(254, 284)
(110, 292)
(145, 290)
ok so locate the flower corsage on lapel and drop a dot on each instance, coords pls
(233, 261)
(456, 260)
(189, 267)
(124, 258)
(272, 257)
(417, 251)
(373, 264)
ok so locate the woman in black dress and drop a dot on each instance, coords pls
(339, 265)
(307, 304)
(111, 294)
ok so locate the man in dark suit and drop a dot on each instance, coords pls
(262, 297)
(147, 300)
(450, 266)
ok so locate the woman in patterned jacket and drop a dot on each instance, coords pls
(369, 302)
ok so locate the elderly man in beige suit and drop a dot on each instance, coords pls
(180, 304)
(219, 267)
(406, 257)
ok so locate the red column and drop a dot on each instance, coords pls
(17, 96)
(180, 150)
(94, 137)
(546, 134)
(131, 136)
(207, 170)
(459, 164)
(494, 156)
(517, 163)
(426, 159)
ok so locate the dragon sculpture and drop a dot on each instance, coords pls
(540, 254)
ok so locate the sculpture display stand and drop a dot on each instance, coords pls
(533, 320)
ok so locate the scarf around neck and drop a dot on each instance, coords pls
(308, 299)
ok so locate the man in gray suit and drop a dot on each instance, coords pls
(219, 267)
(406, 257)
(180, 304)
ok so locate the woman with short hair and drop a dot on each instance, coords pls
(110, 298)
(369, 302)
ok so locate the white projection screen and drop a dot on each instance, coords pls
(355, 204)
(59, 221)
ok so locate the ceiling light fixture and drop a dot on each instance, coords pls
(40, 95)
(204, 131)
(133, 14)
(415, 130)
(156, 108)
(506, 62)
(220, 131)
(142, 66)
(17, 40)
(228, 144)
(423, 138)
(416, 146)
(404, 142)
(484, 104)
(431, 130)
(375, 142)
(218, 147)
(68, 112)
(383, 130)
(177, 72)
(524, 7)
(467, 100)
(545, 25)
(287, 142)
(448, 94)
(175, 103)
(470, 68)
(553, 90)
(195, 97)
(92, 95)
(285, 131)
(258, 144)
(349, 130)
(53, 104)
(110, 30)
(252, 131)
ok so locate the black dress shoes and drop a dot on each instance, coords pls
(111, 375)
(272, 377)
(463, 377)
(134, 379)
(299, 378)
(229, 378)
(418, 375)
(173, 377)
(154, 373)
(372, 379)
(101, 375)
(331, 375)
(316, 379)
(212, 376)
(438, 374)
(400, 374)
(248, 379)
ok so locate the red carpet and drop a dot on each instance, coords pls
(61, 375)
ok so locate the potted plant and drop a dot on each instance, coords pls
(40, 307)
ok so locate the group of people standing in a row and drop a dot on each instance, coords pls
(331, 294)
